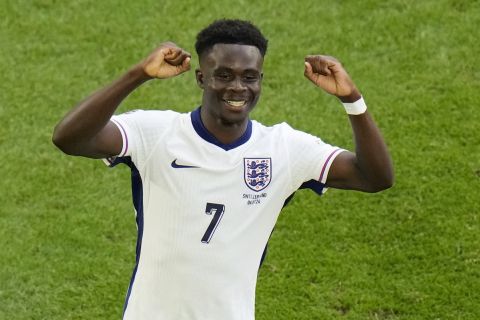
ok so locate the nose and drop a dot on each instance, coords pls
(237, 85)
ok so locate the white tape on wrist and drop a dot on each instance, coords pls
(355, 108)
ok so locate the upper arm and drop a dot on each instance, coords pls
(107, 143)
(345, 174)
(79, 142)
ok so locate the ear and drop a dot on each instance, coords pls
(199, 77)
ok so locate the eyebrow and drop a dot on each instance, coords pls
(221, 68)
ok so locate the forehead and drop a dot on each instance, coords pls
(232, 56)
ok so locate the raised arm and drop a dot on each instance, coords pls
(370, 168)
(86, 129)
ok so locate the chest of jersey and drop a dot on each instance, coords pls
(208, 210)
(207, 213)
(204, 200)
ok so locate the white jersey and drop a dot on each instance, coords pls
(205, 210)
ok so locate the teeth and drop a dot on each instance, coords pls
(236, 103)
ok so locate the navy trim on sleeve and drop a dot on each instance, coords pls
(314, 185)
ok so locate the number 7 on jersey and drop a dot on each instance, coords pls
(217, 211)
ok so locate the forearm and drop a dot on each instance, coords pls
(370, 168)
(73, 133)
(373, 160)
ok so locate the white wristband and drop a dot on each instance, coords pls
(355, 108)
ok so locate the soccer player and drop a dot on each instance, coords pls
(208, 185)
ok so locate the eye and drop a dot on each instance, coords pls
(223, 76)
(251, 77)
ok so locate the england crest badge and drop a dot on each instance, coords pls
(257, 173)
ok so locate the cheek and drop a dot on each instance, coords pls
(256, 88)
(215, 85)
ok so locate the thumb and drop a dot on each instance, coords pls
(185, 66)
(186, 63)
(308, 73)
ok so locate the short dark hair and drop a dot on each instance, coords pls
(230, 31)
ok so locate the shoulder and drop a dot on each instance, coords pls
(141, 114)
(276, 128)
(148, 118)
(285, 130)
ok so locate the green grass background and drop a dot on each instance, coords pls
(413, 252)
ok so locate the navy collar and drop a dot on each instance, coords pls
(207, 136)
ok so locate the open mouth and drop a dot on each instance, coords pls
(236, 104)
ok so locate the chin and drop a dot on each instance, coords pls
(229, 118)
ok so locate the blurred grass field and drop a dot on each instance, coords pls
(413, 252)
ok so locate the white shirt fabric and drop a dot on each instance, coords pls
(194, 264)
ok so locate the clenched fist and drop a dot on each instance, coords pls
(328, 73)
(168, 60)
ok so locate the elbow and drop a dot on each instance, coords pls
(61, 142)
(381, 184)
(380, 187)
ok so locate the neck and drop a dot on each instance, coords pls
(224, 131)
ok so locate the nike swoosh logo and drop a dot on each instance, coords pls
(178, 166)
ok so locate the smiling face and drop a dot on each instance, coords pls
(230, 76)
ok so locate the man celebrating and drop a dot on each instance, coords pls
(208, 185)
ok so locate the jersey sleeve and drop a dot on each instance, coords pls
(310, 160)
(140, 130)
